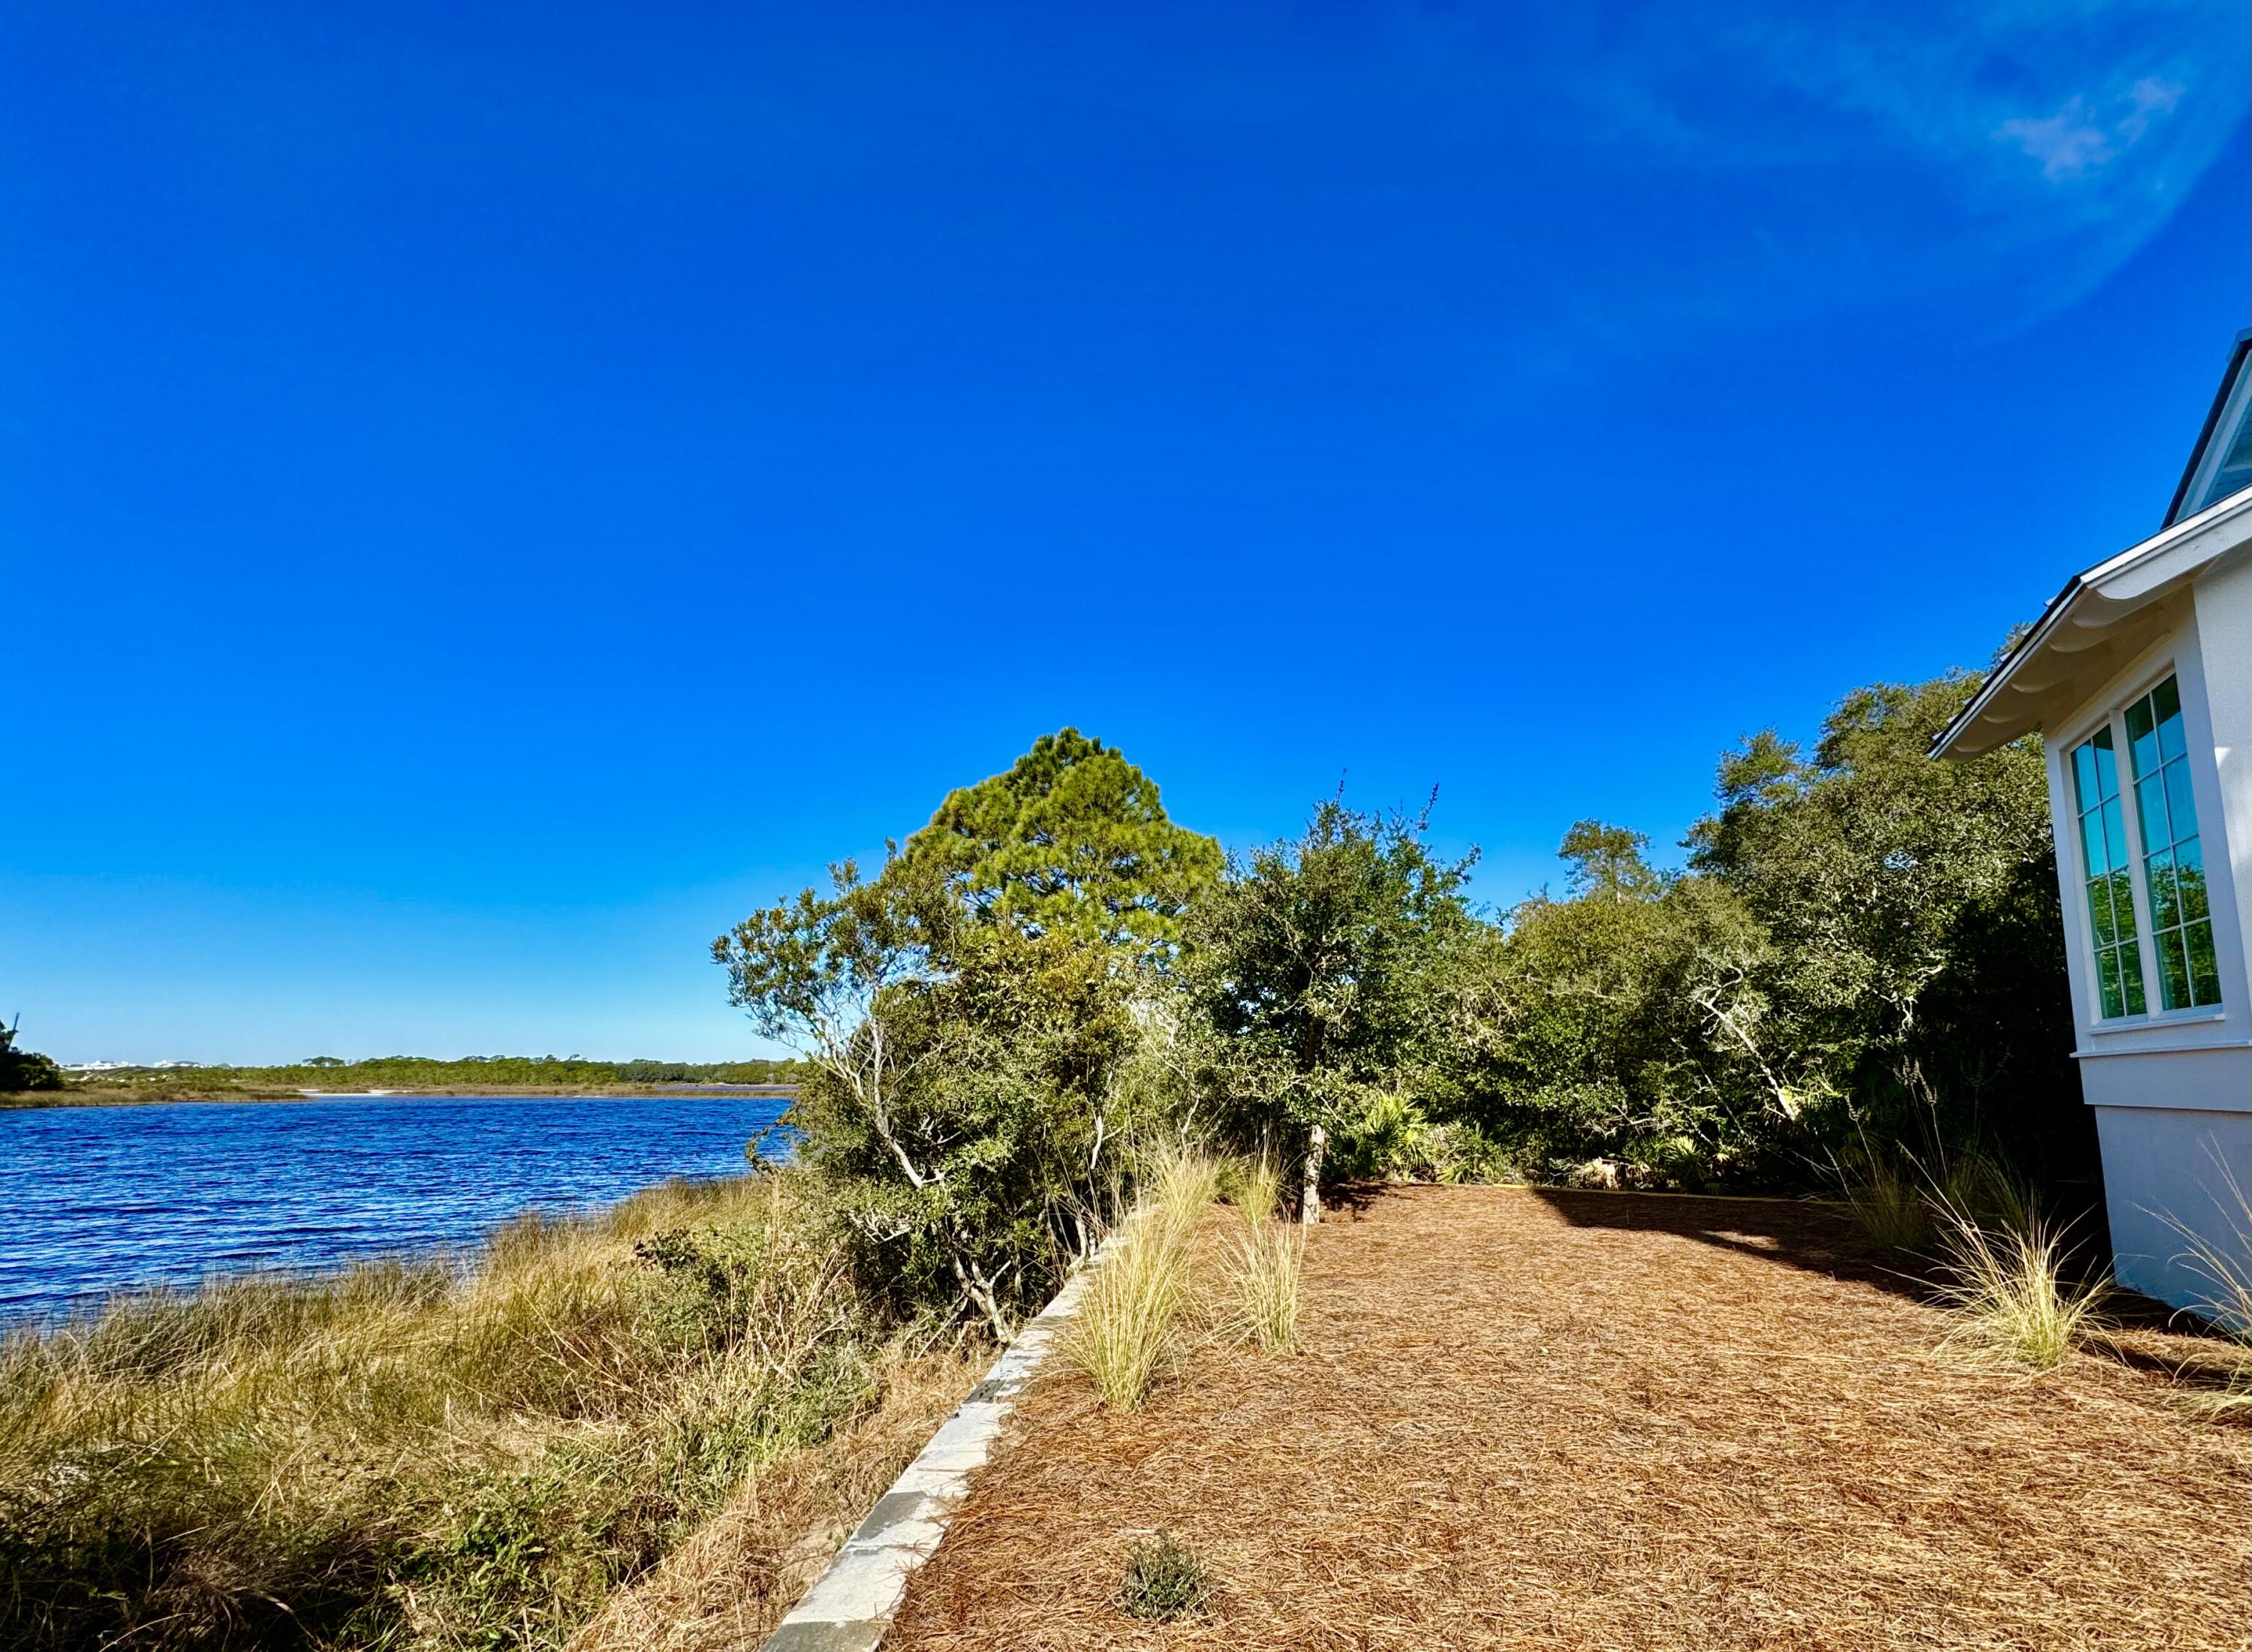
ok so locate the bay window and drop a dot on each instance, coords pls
(2178, 949)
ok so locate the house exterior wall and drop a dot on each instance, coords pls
(2172, 1092)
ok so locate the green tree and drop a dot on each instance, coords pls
(1074, 839)
(1916, 952)
(972, 1017)
(25, 1069)
(1622, 1022)
(1313, 965)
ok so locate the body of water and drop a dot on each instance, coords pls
(94, 1200)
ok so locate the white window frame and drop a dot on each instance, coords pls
(2234, 408)
(2146, 951)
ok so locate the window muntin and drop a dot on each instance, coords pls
(2107, 878)
(2173, 862)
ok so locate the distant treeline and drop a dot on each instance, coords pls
(424, 1073)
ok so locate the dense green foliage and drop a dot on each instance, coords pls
(1861, 955)
(25, 1070)
(1313, 975)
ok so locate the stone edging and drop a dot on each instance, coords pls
(850, 1606)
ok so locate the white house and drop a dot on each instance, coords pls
(2138, 679)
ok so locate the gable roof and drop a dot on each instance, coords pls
(2212, 431)
(2094, 627)
(2107, 615)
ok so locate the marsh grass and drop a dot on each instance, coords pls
(2009, 1293)
(418, 1454)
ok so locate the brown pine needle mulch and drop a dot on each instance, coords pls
(1587, 1420)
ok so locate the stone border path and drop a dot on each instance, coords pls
(850, 1606)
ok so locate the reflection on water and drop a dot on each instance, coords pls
(99, 1200)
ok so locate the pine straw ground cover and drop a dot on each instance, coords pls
(1588, 1421)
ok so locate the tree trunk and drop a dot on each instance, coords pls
(1310, 1207)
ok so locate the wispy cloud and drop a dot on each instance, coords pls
(2036, 143)
(2075, 140)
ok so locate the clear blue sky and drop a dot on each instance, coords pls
(490, 494)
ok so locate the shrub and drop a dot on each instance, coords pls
(1165, 1580)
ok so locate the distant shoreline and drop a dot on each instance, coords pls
(93, 1095)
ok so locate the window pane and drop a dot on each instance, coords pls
(2181, 804)
(2130, 974)
(2204, 973)
(2142, 740)
(2107, 982)
(2170, 737)
(2151, 804)
(2122, 903)
(2235, 472)
(2083, 778)
(2099, 913)
(2189, 872)
(2165, 699)
(2174, 970)
(2107, 765)
(2165, 909)
(2115, 834)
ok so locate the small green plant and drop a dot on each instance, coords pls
(1268, 1263)
(2009, 1292)
(1165, 1580)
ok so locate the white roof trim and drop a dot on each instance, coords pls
(2073, 637)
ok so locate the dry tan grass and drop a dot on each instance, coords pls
(725, 1588)
(1607, 1421)
(1265, 1271)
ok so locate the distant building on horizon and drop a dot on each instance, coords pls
(2138, 679)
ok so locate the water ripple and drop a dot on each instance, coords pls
(100, 1199)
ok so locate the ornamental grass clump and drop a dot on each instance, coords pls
(2225, 1266)
(1182, 1183)
(1122, 1336)
(1253, 1186)
(1266, 1264)
(2009, 1292)
(1165, 1580)
(1887, 1206)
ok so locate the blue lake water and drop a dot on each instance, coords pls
(100, 1199)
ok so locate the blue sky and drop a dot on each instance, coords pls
(488, 495)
